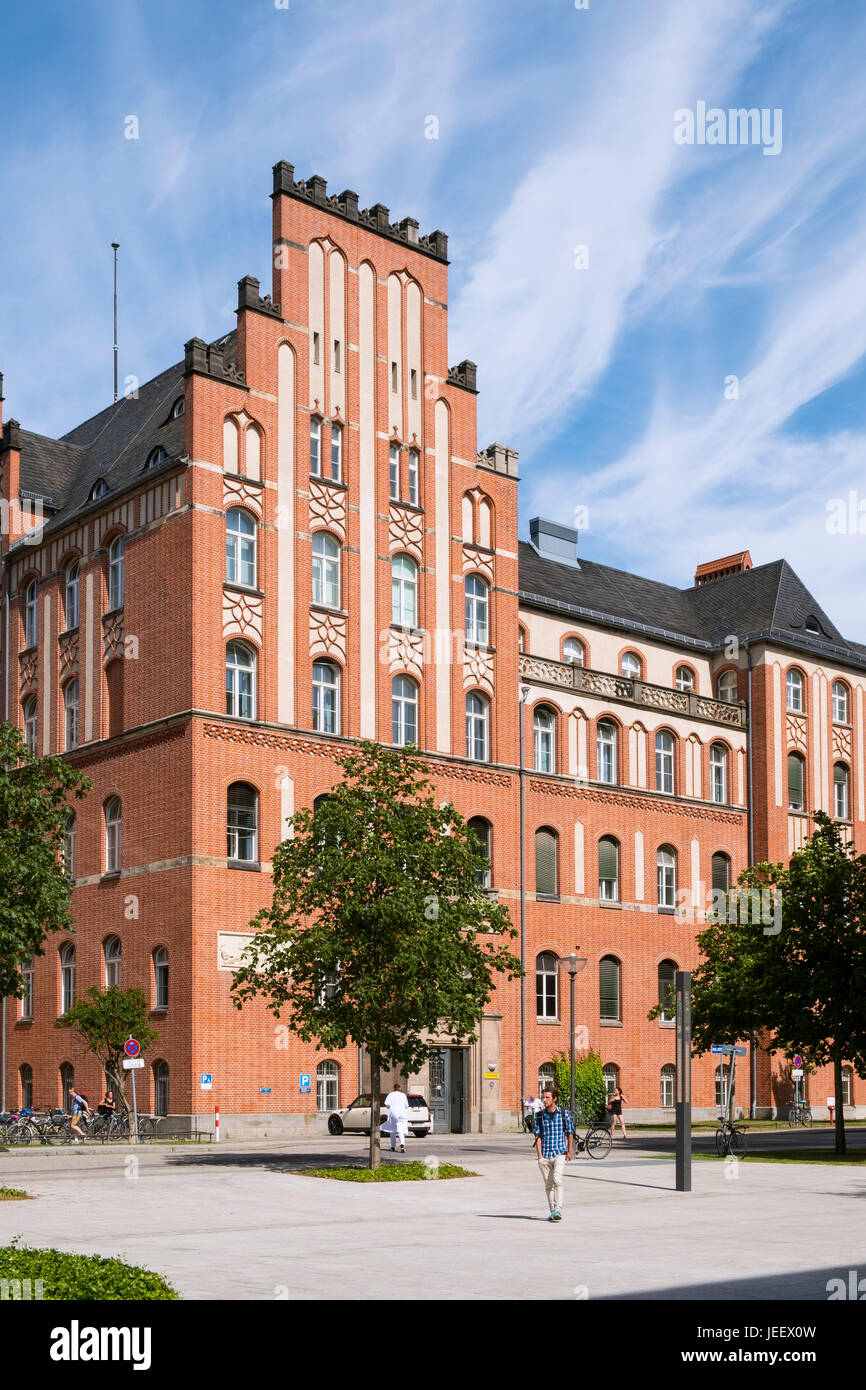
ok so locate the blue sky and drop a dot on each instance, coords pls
(556, 131)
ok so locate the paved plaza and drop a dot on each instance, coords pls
(238, 1221)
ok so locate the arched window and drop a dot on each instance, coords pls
(315, 446)
(483, 830)
(485, 522)
(610, 989)
(812, 625)
(99, 489)
(160, 978)
(718, 772)
(546, 863)
(327, 1086)
(796, 782)
(629, 666)
(847, 1085)
(240, 681)
(160, 1088)
(477, 727)
(67, 977)
(840, 702)
(667, 991)
(666, 866)
(573, 652)
(253, 453)
(67, 1083)
(337, 453)
(112, 962)
(664, 762)
(326, 570)
(722, 1087)
(113, 824)
(69, 834)
(605, 750)
(26, 1002)
(70, 712)
(685, 678)
(840, 791)
(610, 1072)
(404, 591)
(468, 517)
(546, 985)
(178, 408)
(71, 595)
(521, 640)
(608, 869)
(404, 711)
(721, 873)
(115, 573)
(326, 698)
(231, 446)
(668, 1078)
(155, 458)
(477, 610)
(31, 614)
(413, 477)
(30, 724)
(26, 1081)
(394, 471)
(794, 691)
(242, 814)
(240, 548)
(728, 687)
(546, 1077)
(544, 735)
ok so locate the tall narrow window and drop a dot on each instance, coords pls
(630, 666)
(327, 1086)
(113, 826)
(240, 681)
(337, 453)
(70, 710)
(547, 985)
(26, 968)
(605, 749)
(67, 1082)
(543, 732)
(719, 772)
(610, 1075)
(840, 791)
(69, 829)
(685, 678)
(721, 867)
(317, 350)
(847, 1075)
(667, 1078)
(394, 376)
(326, 698)
(112, 962)
(404, 591)
(315, 446)
(728, 687)
(667, 991)
(115, 573)
(666, 870)
(840, 702)
(326, 570)
(413, 383)
(336, 354)
(394, 471)
(231, 445)
(160, 1088)
(477, 610)
(26, 1075)
(664, 762)
(609, 989)
(546, 863)
(794, 691)
(608, 869)
(31, 615)
(242, 823)
(477, 727)
(404, 711)
(482, 829)
(30, 724)
(71, 596)
(240, 548)
(160, 978)
(573, 652)
(67, 977)
(413, 477)
(796, 782)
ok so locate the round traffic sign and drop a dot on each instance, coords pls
(798, 1060)
(132, 1047)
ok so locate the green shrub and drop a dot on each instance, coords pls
(414, 1171)
(13, 1194)
(79, 1277)
(589, 1088)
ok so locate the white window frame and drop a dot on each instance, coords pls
(841, 803)
(404, 703)
(605, 752)
(630, 666)
(31, 614)
(727, 688)
(315, 446)
(72, 590)
(414, 459)
(160, 977)
(26, 1000)
(573, 652)
(70, 830)
(113, 816)
(544, 740)
(477, 727)
(608, 888)
(70, 715)
(394, 471)
(327, 1086)
(547, 970)
(477, 592)
(242, 702)
(482, 828)
(840, 702)
(113, 959)
(238, 833)
(31, 723)
(666, 877)
(241, 557)
(327, 554)
(664, 745)
(794, 692)
(67, 977)
(404, 591)
(337, 452)
(326, 713)
(685, 679)
(116, 573)
(718, 773)
(667, 1085)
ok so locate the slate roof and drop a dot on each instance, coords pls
(767, 599)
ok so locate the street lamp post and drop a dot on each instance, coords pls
(524, 695)
(575, 965)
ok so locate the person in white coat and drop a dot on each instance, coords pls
(397, 1123)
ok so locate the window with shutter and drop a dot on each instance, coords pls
(667, 991)
(721, 872)
(608, 988)
(545, 864)
(608, 869)
(795, 782)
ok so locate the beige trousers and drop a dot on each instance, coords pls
(551, 1172)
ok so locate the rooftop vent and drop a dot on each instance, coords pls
(554, 542)
(720, 569)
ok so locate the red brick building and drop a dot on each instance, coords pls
(289, 540)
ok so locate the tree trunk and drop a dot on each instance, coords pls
(839, 1125)
(375, 1147)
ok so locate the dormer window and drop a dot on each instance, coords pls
(178, 408)
(156, 458)
(99, 489)
(812, 625)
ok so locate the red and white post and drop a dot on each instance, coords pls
(216, 1124)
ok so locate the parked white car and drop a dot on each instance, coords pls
(355, 1118)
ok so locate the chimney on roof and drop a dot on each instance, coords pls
(720, 569)
(553, 541)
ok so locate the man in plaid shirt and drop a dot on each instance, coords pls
(554, 1142)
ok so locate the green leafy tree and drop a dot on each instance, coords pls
(802, 985)
(34, 891)
(589, 1089)
(380, 929)
(105, 1018)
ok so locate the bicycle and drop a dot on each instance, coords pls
(800, 1114)
(731, 1139)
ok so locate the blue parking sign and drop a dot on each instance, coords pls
(305, 1083)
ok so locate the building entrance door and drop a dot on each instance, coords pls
(447, 1099)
